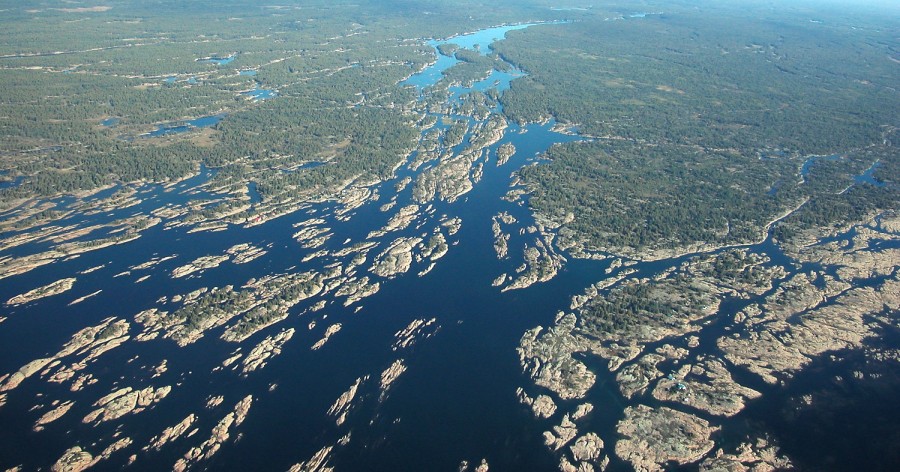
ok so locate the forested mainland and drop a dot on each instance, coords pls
(701, 126)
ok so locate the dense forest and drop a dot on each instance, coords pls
(703, 124)
(335, 68)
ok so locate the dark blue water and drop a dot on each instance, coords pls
(850, 422)
(498, 80)
(461, 384)
(248, 72)
(305, 392)
(253, 193)
(455, 402)
(111, 122)
(479, 41)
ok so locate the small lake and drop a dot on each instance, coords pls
(868, 177)
(219, 61)
(475, 346)
(258, 94)
(184, 126)
(809, 162)
(5, 184)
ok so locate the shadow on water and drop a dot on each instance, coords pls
(839, 413)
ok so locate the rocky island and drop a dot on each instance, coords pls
(54, 288)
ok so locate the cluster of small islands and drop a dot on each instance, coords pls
(650, 250)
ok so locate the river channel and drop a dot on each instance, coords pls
(455, 401)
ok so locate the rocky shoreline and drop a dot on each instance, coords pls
(55, 288)
(686, 358)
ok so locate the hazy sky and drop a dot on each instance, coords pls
(867, 4)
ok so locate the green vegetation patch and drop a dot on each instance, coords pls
(625, 194)
(704, 120)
